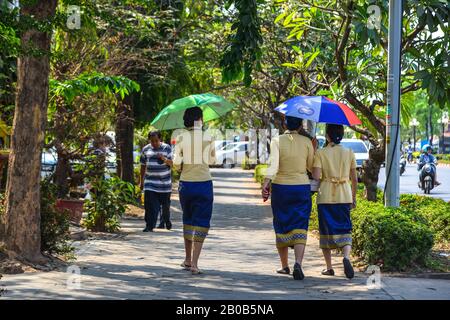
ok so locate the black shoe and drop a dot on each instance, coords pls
(169, 225)
(161, 226)
(348, 269)
(298, 273)
(145, 230)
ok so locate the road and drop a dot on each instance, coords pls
(409, 179)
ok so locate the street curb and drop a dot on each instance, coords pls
(445, 165)
(439, 276)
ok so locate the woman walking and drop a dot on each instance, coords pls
(291, 156)
(335, 167)
(193, 154)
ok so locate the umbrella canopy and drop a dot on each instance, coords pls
(319, 109)
(171, 117)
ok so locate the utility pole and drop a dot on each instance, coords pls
(392, 198)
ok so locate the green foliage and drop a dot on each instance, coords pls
(55, 234)
(435, 211)
(396, 237)
(243, 53)
(443, 158)
(246, 165)
(260, 172)
(91, 83)
(109, 201)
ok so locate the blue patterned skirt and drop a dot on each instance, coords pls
(291, 207)
(335, 225)
(196, 199)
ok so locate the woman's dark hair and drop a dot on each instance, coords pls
(154, 134)
(191, 115)
(293, 123)
(335, 132)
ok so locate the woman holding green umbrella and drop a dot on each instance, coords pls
(193, 155)
(194, 152)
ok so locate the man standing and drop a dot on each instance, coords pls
(156, 180)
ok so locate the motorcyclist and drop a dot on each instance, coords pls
(409, 153)
(427, 157)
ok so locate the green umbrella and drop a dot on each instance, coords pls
(171, 117)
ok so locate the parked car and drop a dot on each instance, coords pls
(219, 144)
(231, 154)
(360, 150)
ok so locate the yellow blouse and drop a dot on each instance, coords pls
(194, 152)
(335, 163)
(291, 154)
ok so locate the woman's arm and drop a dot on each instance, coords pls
(178, 156)
(354, 180)
(317, 173)
(272, 170)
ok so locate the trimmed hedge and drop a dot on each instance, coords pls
(436, 213)
(396, 237)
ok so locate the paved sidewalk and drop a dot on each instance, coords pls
(239, 260)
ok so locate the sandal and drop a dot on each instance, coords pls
(196, 271)
(298, 272)
(329, 272)
(284, 270)
(186, 266)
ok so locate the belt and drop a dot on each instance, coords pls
(335, 181)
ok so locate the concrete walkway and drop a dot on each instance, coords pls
(239, 260)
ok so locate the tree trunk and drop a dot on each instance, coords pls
(371, 170)
(124, 140)
(61, 176)
(22, 235)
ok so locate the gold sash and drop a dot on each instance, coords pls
(335, 181)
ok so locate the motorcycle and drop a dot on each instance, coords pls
(410, 157)
(402, 165)
(427, 176)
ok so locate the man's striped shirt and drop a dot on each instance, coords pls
(157, 176)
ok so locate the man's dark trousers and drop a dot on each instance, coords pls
(153, 201)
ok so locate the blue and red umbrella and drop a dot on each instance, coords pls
(319, 109)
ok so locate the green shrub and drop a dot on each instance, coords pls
(175, 175)
(399, 237)
(109, 201)
(443, 157)
(246, 165)
(55, 233)
(260, 172)
(416, 154)
(435, 211)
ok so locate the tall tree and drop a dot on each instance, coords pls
(22, 217)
